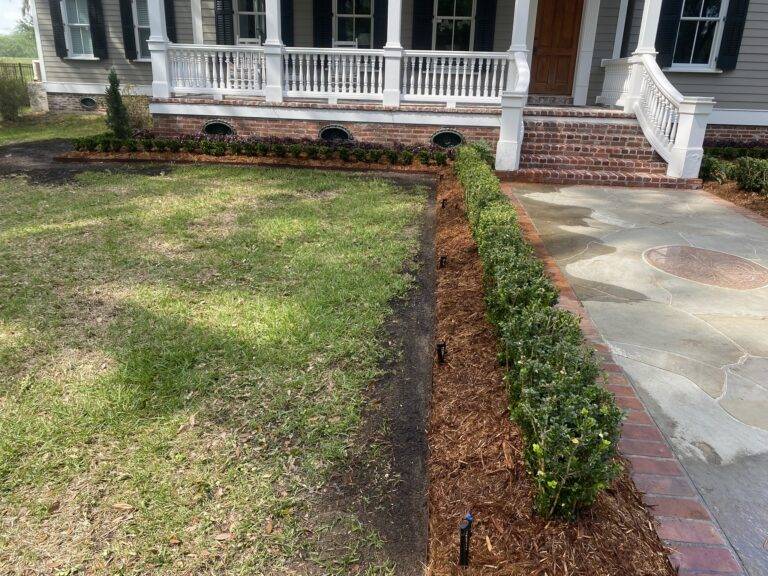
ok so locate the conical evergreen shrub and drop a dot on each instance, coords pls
(117, 115)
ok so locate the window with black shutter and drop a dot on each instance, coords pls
(224, 18)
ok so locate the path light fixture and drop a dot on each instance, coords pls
(465, 531)
(443, 261)
(441, 350)
(444, 202)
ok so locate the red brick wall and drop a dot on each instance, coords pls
(410, 134)
(60, 102)
(745, 134)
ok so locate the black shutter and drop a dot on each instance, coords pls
(286, 21)
(225, 26)
(379, 23)
(322, 13)
(732, 34)
(170, 20)
(129, 38)
(59, 37)
(423, 11)
(98, 29)
(666, 35)
(485, 25)
(629, 17)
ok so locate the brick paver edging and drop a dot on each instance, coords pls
(684, 523)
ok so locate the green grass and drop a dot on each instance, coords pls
(16, 59)
(183, 359)
(33, 127)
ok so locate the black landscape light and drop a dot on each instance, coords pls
(441, 349)
(444, 202)
(465, 531)
(443, 261)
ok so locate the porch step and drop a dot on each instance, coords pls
(549, 100)
(599, 178)
(591, 162)
(575, 112)
(581, 149)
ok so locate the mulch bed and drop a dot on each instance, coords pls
(730, 191)
(272, 161)
(475, 460)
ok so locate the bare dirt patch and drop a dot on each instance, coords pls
(475, 462)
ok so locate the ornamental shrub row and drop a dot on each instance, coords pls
(570, 422)
(275, 147)
(751, 174)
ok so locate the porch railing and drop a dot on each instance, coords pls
(333, 73)
(471, 77)
(674, 124)
(208, 69)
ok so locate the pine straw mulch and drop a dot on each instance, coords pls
(730, 191)
(475, 460)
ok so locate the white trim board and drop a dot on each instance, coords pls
(587, 35)
(82, 88)
(329, 115)
(738, 117)
(38, 40)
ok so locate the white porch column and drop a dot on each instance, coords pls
(515, 94)
(688, 149)
(158, 47)
(273, 53)
(646, 42)
(393, 53)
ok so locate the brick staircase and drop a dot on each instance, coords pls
(590, 146)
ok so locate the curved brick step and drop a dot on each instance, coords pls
(599, 177)
(576, 112)
(600, 139)
(586, 162)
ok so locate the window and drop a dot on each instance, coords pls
(251, 21)
(353, 22)
(141, 27)
(76, 25)
(454, 25)
(699, 33)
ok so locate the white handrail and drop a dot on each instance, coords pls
(673, 124)
(471, 77)
(334, 73)
(218, 70)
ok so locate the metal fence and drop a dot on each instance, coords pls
(18, 70)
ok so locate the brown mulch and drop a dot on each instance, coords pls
(730, 191)
(271, 161)
(475, 460)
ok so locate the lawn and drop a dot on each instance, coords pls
(46, 126)
(184, 357)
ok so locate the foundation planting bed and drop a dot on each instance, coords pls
(476, 459)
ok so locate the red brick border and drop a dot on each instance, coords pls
(698, 546)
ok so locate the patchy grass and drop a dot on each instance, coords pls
(182, 365)
(48, 126)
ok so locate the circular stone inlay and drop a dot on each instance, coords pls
(708, 267)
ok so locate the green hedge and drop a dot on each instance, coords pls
(752, 174)
(570, 422)
(714, 169)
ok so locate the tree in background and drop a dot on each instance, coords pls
(117, 115)
(20, 43)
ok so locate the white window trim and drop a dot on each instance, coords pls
(711, 66)
(471, 19)
(136, 28)
(68, 34)
(336, 15)
(255, 13)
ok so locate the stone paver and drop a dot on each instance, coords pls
(689, 327)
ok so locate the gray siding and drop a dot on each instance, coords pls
(604, 39)
(95, 72)
(745, 87)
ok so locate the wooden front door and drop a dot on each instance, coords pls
(556, 46)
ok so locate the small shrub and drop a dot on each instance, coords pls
(715, 169)
(312, 151)
(279, 150)
(235, 147)
(190, 145)
(344, 154)
(485, 151)
(440, 158)
(424, 156)
(117, 115)
(295, 150)
(13, 97)
(137, 108)
(359, 154)
(406, 157)
(392, 156)
(374, 155)
(752, 174)
(570, 423)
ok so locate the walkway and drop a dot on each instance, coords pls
(676, 285)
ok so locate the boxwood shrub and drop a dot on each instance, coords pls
(277, 147)
(570, 422)
(752, 174)
(714, 169)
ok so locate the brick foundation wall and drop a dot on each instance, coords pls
(741, 134)
(384, 133)
(60, 102)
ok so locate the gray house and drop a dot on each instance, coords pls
(617, 91)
